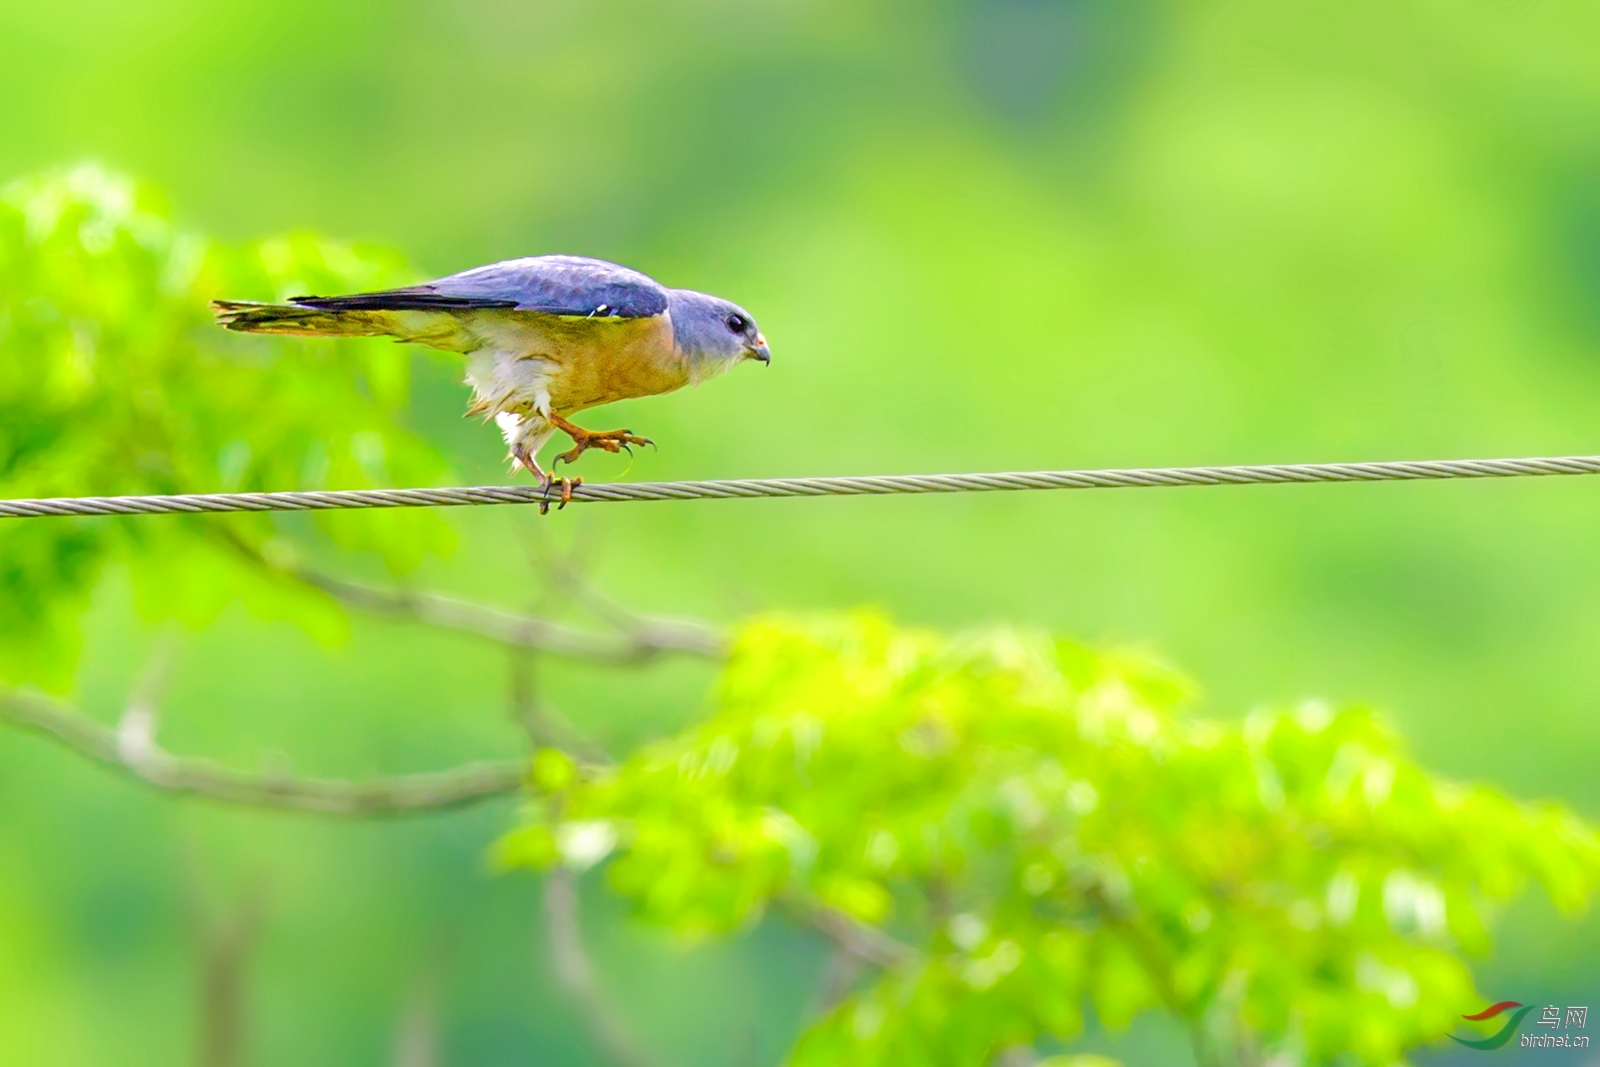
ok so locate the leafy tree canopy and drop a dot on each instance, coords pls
(113, 379)
(1046, 829)
(1024, 827)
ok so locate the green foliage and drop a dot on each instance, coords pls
(1040, 822)
(113, 379)
(1046, 828)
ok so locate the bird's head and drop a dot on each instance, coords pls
(713, 333)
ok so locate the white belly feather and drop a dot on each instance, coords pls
(526, 368)
(506, 382)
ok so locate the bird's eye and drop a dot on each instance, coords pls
(738, 323)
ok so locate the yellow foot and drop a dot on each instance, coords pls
(547, 481)
(583, 440)
(564, 486)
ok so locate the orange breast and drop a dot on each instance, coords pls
(597, 361)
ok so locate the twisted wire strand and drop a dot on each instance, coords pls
(748, 488)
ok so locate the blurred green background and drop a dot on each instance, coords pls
(991, 234)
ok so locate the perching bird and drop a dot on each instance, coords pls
(545, 337)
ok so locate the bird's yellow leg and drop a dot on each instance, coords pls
(547, 481)
(583, 440)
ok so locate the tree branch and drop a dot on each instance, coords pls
(417, 1039)
(131, 750)
(638, 626)
(576, 973)
(844, 970)
(225, 939)
(639, 641)
(866, 943)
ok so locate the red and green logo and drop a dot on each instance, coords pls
(1505, 1033)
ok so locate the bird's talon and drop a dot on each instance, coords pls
(613, 441)
(565, 485)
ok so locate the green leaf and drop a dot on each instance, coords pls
(1038, 822)
(114, 380)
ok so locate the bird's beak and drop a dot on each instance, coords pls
(759, 350)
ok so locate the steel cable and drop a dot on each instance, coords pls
(747, 488)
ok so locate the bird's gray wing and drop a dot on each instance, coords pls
(567, 286)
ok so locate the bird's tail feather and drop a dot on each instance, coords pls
(250, 317)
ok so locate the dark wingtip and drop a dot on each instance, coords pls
(416, 298)
(229, 313)
(249, 316)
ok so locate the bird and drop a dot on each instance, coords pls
(545, 337)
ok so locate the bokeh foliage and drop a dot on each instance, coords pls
(982, 235)
(1041, 822)
(114, 380)
(1050, 831)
